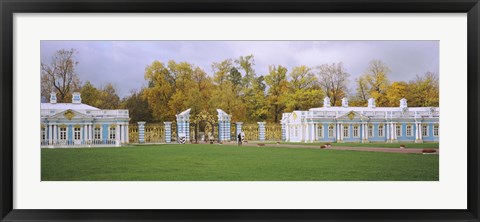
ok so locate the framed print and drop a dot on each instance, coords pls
(268, 110)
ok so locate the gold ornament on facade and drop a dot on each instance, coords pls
(351, 115)
(77, 126)
(98, 126)
(63, 126)
(69, 114)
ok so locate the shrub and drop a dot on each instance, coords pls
(402, 146)
(323, 147)
(429, 151)
(328, 144)
(261, 144)
(278, 142)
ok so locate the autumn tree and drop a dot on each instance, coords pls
(333, 80)
(109, 98)
(395, 92)
(377, 80)
(362, 92)
(227, 84)
(161, 86)
(277, 92)
(304, 89)
(60, 76)
(90, 94)
(424, 90)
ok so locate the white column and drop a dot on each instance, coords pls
(366, 131)
(117, 134)
(301, 132)
(387, 131)
(394, 131)
(90, 132)
(312, 132)
(122, 133)
(416, 131)
(126, 134)
(55, 132)
(287, 132)
(315, 132)
(337, 135)
(420, 135)
(49, 134)
(341, 131)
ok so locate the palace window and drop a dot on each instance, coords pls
(435, 130)
(398, 129)
(424, 130)
(355, 131)
(370, 131)
(345, 131)
(43, 134)
(330, 131)
(112, 133)
(76, 133)
(409, 130)
(380, 131)
(96, 133)
(295, 131)
(63, 133)
(320, 131)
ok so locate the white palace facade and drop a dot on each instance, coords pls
(362, 124)
(77, 124)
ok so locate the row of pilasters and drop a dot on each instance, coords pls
(308, 132)
(86, 135)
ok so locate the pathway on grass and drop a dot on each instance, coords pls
(371, 149)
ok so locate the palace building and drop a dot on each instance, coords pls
(362, 124)
(77, 124)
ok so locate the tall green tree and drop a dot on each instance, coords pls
(424, 91)
(376, 76)
(161, 87)
(304, 89)
(137, 106)
(277, 91)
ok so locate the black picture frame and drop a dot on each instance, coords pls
(9, 7)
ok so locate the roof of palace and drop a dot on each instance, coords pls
(361, 108)
(65, 106)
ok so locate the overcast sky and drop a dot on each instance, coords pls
(123, 62)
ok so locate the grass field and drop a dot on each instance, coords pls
(384, 145)
(195, 162)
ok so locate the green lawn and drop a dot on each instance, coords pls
(384, 145)
(194, 162)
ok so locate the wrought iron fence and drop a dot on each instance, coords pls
(251, 131)
(273, 132)
(155, 133)
(133, 133)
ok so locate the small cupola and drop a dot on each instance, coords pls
(53, 98)
(371, 103)
(403, 103)
(326, 102)
(76, 99)
(344, 102)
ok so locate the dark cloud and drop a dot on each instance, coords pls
(123, 62)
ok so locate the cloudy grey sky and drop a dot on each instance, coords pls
(123, 62)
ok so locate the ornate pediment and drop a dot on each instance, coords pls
(353, 115)
(70, 114)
